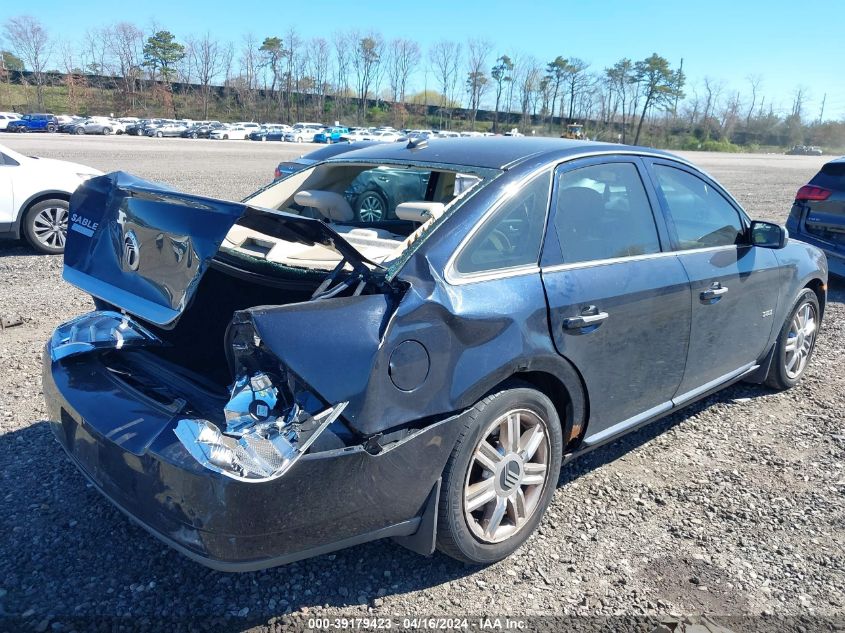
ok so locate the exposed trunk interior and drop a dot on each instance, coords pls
(197, 341)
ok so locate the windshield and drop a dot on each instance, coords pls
(381, 211)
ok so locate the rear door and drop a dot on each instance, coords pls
(734, 285)
(619, 306)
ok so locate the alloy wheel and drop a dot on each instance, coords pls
(50, 226)
(371, 208)
(507, 475)
(800, 340)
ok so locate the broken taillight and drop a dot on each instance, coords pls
(260, 443)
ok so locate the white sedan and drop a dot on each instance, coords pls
(34, 195)
(234, 132)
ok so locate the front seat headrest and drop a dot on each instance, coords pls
(419, 211)
(331, 205)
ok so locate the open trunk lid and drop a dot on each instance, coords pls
(144, 247)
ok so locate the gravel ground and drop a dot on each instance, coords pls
(732, 507)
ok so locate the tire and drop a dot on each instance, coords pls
(464, 535)
(225, 137)
(106, 131)
(796, 342)
(299, 139)
(45, 226)
(51, 129)
(370, 206)
(159, 134)
(79, 130)
(194, 135)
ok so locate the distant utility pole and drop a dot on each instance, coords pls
(821, 114)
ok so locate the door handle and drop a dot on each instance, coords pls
(590, 316)
(713, 293)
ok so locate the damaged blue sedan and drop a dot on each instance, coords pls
(273, 379)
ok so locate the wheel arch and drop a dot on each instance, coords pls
(562, 384)
(818, 286)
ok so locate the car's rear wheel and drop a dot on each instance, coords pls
(45, 226)
(796, 342)
(371, 206)
(194, 135)
(500, 477)
(79, 130)
(51, 128)
(159, 134)
(106, 131)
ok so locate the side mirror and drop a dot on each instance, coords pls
(768, 234)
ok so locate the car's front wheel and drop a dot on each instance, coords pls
(45, 226)
(796, 342)
(106, 131)
(79, 130)
(501, 475)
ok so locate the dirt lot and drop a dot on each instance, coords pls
(733, 507)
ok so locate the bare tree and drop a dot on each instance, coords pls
(621, 78)
(74, 79)
(207, 61)
(527, 76)
(341, 44)
(576, 80)
(318, 67)
(754, 82)
(292, 45)
(367, 53)
(31, 42)
(125, 43)
(403, 56)
(246, 82)
(478, 52)
(445, 60)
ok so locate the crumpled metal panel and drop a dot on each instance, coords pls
(144, 247)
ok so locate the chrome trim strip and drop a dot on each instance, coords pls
(620, 427)
(632, 258)
(677, 402)
(693, 393)
(454, 278)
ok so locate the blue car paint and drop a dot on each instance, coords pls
(476, 336)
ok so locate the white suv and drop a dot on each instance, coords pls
(34, 195)
(6, 117)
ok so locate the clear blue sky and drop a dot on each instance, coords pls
(789, 43)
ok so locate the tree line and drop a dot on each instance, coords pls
(363, 77)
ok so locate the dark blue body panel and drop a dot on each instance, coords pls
(410, 355)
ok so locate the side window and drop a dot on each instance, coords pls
(603, 212)
(511, 236)
(702, 216)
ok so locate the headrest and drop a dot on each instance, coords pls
(331, 205)
(419, 211)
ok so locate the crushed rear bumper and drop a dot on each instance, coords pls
(328, 500)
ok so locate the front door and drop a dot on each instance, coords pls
(734, 285)
(619, 306)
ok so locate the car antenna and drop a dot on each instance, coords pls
(417, 142)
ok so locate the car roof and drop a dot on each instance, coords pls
(493, 152)
(839, 160)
